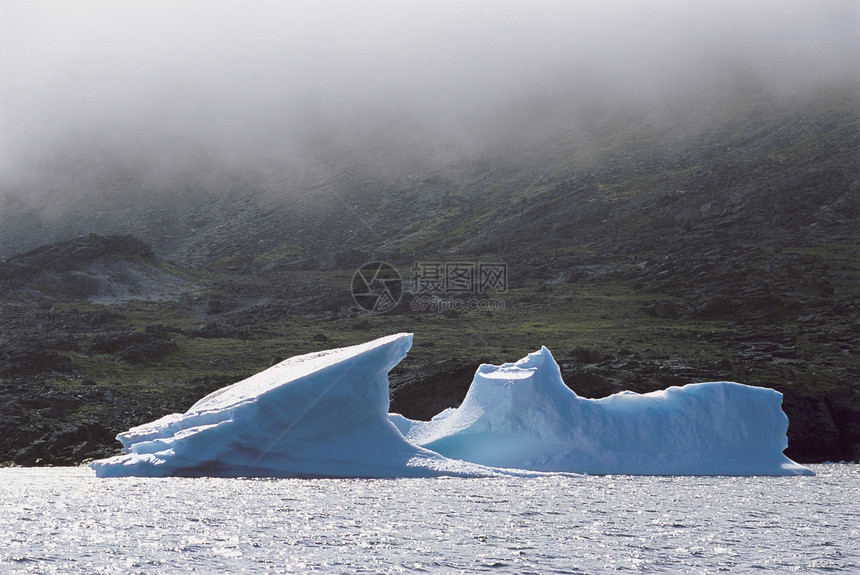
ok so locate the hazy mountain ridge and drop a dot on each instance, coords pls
(563, 188)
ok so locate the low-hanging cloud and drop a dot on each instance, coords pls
(284, 91)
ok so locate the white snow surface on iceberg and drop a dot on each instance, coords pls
(322, 414)
(522, 415)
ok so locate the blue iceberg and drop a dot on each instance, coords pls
(322, 414)
(522, 415)
(325, 414)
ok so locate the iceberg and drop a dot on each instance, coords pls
(321, 414)
(324, 414)
(522, 415)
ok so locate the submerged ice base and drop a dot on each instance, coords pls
(325, 414)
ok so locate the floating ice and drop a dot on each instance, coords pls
(522, 415)
(324, 415)
(316, 415)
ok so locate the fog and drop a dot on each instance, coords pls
(170, 95)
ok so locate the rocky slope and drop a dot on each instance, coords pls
(101, 269)
(642, 257)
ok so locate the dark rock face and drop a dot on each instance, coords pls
(31, 435)
(106, 269)
(77, 284)
(69, 256)
(844, 407)
(665, 309)
(584, 355)
(137, 348)
(424, 392)
(31, 358)
(812, 434)
(69, 443)
(45, 424)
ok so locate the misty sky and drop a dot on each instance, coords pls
(162, 89)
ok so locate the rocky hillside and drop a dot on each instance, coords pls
(100, 269)
(642, 255)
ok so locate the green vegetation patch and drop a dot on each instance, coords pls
(278, 254)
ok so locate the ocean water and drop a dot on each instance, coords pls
(65, 520)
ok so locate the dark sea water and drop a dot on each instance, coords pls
(65, 520)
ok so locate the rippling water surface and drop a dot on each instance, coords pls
(65, 520)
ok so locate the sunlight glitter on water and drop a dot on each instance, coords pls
(64, 520)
